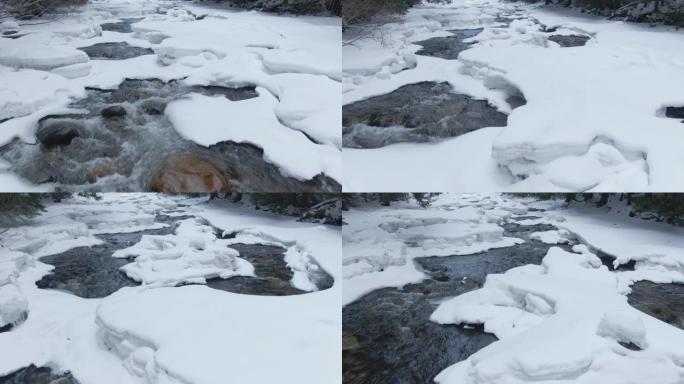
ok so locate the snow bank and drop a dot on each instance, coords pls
(560, 322)
(191, 255)
(195, 334)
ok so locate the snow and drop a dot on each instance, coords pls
(191, 255)
(13, 305)
(158, 333)
(295, 59)
(582, 129)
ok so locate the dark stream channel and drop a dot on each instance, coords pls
(125, 143)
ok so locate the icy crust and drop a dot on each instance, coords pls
(43, 71)
(590, 131)
(380, 243)
(237, 334)
(561, 321)
(657, 249)
(13, 304)
(75, 223)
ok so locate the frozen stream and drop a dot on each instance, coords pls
(86, 265)
(514, 97)
(390, 334)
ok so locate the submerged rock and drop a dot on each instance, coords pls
(115, 51)
(58, 132)
(570, 40)
(420, 112)
(35, 375)
(188, 173)
(447, 47)
(114, 111)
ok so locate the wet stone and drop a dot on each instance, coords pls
(447, 47)
(662, 301)
(570, 40)
(273, 277)
(35, 375)
(115, 51)
(114, 111)
(421, 112)
(188, 173)
(92, 272)
(58, 132)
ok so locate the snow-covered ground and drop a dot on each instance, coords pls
(294, 62)
(595, 114)
(565, 320)
(160, 332)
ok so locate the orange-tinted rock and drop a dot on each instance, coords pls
(188, 173)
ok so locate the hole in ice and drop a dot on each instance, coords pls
(115, 51)
(569, 40)
(675, 112)
(421, 112)
(123, 26)
(447, 47)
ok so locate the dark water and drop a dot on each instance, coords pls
(123, 26)
(675, 112)
(272, 274)
(92, 272)
(570, 40)
(387, 334)
(126, 149)
(447, 47)
(421, 112)
(35, 375)
(662, 301)
(115, 51)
